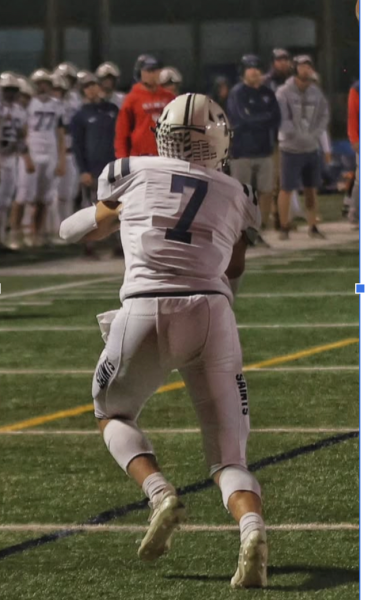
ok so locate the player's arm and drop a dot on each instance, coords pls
(61, 148)
(91, 224)
(237, 263)
(24, 150)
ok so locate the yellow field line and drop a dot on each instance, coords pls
(79, 410)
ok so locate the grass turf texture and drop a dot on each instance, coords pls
(68, 479)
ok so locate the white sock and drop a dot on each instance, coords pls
(154, 485)
(250, 522)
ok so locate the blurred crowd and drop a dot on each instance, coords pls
(59, 129)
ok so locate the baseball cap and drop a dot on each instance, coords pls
(279, 53)
(303, 59)
(150, 63)
(251, 61)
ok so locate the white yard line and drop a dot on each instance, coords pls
(62, 286)
(46, 371)
(33, 329)
(7, 309)
(179, 431)
(57, 372)
(34, 527)
(17, 304)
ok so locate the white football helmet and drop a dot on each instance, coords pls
(41, 75)
(67, 69)
(107, 69)
(194, 128)
(86, 77)
(60, 82)
(25, 87)
(170, 75)
(8, 80)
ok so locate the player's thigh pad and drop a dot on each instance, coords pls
(129, 369)
(27, 184)
(8, 170)
(46, 180)
(219, 391)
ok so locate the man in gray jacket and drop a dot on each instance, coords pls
(304, 118)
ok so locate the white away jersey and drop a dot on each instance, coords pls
(44, 117)
(13, 119)
(179, 223)
(71, 105)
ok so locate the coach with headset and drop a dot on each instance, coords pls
(254, 115)
(141, 110)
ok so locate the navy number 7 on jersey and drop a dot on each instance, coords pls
(181, 233)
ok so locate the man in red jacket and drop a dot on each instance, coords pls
(354, 137)
(141, 110)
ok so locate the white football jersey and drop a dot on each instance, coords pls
(44, 117)
(71, 104)
(116, 98)
(13, 119)
(179, 223)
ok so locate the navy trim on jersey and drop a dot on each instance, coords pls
(111, 173)
(126, 170)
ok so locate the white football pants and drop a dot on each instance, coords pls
(197, 335)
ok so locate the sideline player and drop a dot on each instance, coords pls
(184, 227)
(45, 162)
(12, 133)
(68, 183)
(171, 80)
(108, 75)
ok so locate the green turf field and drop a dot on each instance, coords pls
(298, 323)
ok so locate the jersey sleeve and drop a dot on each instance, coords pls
(115, 179)
(251, 221)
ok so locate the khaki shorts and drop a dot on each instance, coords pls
(197, 335)
(258, 172)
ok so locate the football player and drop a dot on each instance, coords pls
(12, 133)
(44, 161)
(26, 91)
(68, 184)
(171, 80)
(70, 71)
(108, 75)
(185, 227)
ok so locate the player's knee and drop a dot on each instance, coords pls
(237, 479)
(125, 441)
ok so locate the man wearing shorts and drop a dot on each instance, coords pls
(304, 119)
(255, 117)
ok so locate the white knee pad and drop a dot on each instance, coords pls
(125, 441)
(237, 479)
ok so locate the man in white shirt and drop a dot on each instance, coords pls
(184, 227)
(46, 148)
(12, 134)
